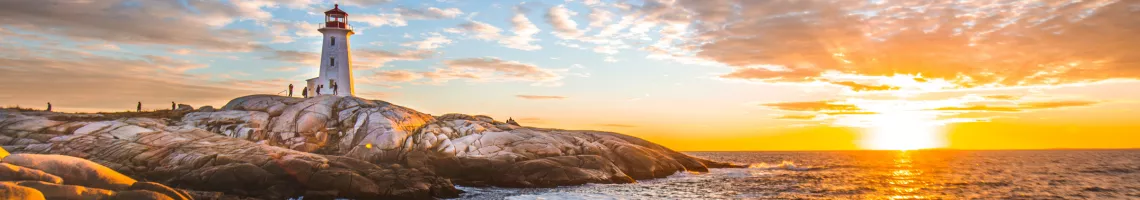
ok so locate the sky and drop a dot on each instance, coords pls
(693, 75)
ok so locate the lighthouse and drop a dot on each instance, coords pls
(336, 62)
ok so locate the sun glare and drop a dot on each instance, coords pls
(902, 131)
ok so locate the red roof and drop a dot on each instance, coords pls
(336, 10)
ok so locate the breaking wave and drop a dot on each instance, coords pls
(784, 165)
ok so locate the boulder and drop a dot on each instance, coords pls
(11, 190)
(57, 191)
(9, 172)
(184, 107)
(161, 189)
(73, 171)
(207, 109)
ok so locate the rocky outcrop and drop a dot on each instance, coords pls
(473, 150)
(191, 158)
(33, 176)
(322, 147)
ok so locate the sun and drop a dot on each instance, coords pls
(902, 131)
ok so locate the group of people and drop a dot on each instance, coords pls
(138, 108)
(304, 93)
(305, 90)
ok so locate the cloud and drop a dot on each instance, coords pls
(197, 24)
(797, 117)
(172, 65)
(813, 106)
(93, 83)
(289, 30)
(478, 69)
(432, 42)
(365, 3)
(403, 15)
(100, 47)
(429, 13)
(524, 32)
(494, 69)
(1003, 97)
(293, 56)
(981, 108)
(480, 30)
(397, 76)
(363, 59)
(375, 94)
(970, 44)
(863, 87)
(1057, 104)
(377, 20)
(540, 97)
(599, 17)
(1021, 106)
(564, 26)
(283, 69)
(505, 67)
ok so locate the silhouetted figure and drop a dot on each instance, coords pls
(139, 108)
(512, 121)
(290, 90)
(305, 92)
(49, 107)
(334, 87)
(319, 87)
(172, 105)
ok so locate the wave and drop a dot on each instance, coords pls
(784, 165)
(563, 195)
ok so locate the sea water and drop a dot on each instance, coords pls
(925, 174)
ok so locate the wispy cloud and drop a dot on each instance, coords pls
(540, 97)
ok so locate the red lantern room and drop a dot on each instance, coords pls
(336, 18)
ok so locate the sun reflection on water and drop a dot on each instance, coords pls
(905, 180)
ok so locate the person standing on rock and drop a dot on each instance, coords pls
(334, 87)
(290, 90)
(319, 87)
(305, 92)
(49, 107)
(172, 105)
(139, 108)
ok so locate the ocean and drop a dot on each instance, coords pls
(924, 174)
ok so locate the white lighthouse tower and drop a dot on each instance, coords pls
(336, 63)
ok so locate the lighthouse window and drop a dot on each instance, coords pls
(332, 61)
(332, 41)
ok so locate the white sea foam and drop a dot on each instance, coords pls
(784, 165)
(563, 196)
